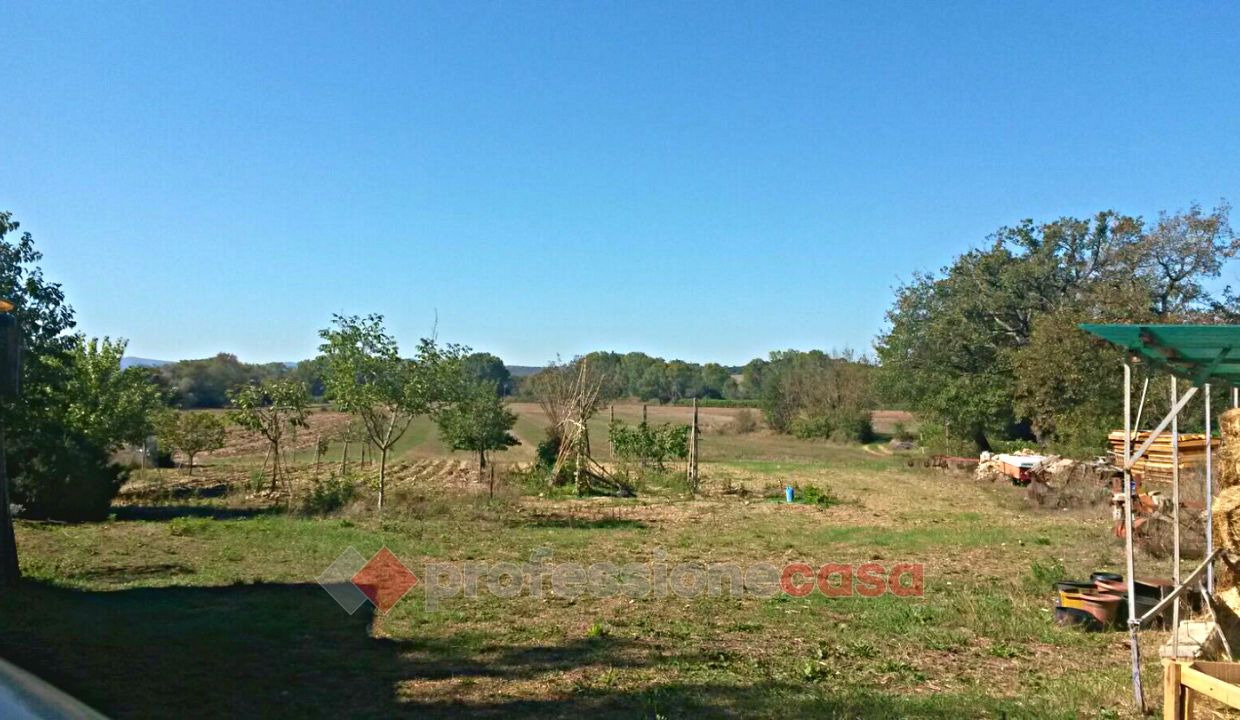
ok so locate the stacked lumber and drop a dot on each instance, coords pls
(1156, 464)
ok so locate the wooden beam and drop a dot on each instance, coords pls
(1210, 686)
(1173, 694)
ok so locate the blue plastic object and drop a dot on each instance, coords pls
(788, 493)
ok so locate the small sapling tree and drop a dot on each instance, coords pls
(190, 432)
(272, 409)
(479, 422)
(366, 376)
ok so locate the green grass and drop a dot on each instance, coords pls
(216, 609)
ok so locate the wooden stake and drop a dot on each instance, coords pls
(318, 446)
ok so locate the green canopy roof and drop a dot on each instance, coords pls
(1200, 353)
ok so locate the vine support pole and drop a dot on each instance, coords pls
(693, 450)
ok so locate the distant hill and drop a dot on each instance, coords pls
(142, 362)
(522, 370)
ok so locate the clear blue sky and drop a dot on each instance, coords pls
(707, 181)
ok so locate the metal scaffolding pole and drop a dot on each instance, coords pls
(1175, 514)
(1133, 624)
(1209, 495)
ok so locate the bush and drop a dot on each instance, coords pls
(548, 450)
(814, 495)
(854, 427)
(327, 496)
(64, 477)
(745, 422)
(813, 428)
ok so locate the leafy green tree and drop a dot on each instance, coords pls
(110, 406)
(982, 349)
(273, 409)
(814, 395)
(190, 432)
(311, 372)
(485, 367)
(715, 380)
(478, 422)
(366, 376)
(653, 384)
(76, 403)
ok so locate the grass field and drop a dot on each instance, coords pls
(208, 607)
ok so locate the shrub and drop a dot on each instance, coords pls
(64, 477)
(329, 495)
(814, 495)
(258, 481)
(548, 450)
(854, 427)
(811, 428)
(745, 422)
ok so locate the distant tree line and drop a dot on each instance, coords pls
(209, 382)
(810, 394)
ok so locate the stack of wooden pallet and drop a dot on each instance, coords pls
(1156, 463)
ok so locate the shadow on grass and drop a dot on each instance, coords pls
(582, 523)
(169, 512)
(287, 650)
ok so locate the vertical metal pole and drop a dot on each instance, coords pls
(1175, 514)
(1209, 493)
(10, 571)
(1133, 642)
(1235, 397)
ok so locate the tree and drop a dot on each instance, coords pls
(964, 348)
(271, 409)
(715, 380)
(485, 367)
(76, 403)
(190, 432)
(111, 406)
(206, 383)
(366, 376)
(814, 395)
(479, 422)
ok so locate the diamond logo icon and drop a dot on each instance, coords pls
(337, 580)
(384, 580)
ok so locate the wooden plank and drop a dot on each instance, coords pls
(1210, 686)
(1173, 698)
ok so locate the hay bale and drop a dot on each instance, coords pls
(1229, 451)
(1229, 423)
(1227, 518)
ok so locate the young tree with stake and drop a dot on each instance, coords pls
(271, 409)
(366, 376)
